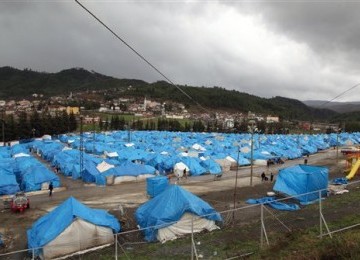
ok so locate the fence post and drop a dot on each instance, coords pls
(261, 225)
(320, 215)
(116, 251)
(192, 237)
(33, 254)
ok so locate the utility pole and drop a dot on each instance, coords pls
(252, 130)
(3, 130)
(81, 144)
(337, 145)
(252, 157)
(236, 178)
(93, 122)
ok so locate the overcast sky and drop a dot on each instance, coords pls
(300, 49)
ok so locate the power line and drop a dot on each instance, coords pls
(140, 56)
(342, 93)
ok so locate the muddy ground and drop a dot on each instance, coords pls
(123, 199)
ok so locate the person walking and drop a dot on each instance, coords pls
(271, 176)
(263, 176)
(185, 174)
(51, 187)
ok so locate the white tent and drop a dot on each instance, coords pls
(20, 155)
(183, 227)
(225, 164)
(179, 169)
(111, 154)
(80, 235)
(69, 228)
(104, 166)
(179, 212)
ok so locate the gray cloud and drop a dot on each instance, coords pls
(300, 50)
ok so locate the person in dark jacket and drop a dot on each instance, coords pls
(263, 176)
(185, 174)
(51, 187)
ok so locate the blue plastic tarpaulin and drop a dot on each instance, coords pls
(302, 179)
(168, 207)
(339, 181)
(54, 223)
(156, 185)
(35, 176)
(8, 184)
(271, 201)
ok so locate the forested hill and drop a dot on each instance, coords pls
(16, 83)
(221, 98)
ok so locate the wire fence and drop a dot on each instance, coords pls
(243, 231)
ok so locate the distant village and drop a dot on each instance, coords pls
(93, 107)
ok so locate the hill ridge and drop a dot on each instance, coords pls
(16, 83)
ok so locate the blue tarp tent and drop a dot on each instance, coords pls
(242, 160)
(8, 184)
(130, 169)
(50, 226)
(194, 165)
(156, 185)
(300, 179)
(211, 166)
(168, 207)
(90, 173)
(33, 177)
(5, 152)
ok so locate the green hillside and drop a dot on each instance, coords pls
(15, 83)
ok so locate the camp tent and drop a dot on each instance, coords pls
(194, 166)
(169, 214)
(179, 169)
(128, 171)
(301, 179)
(8, 184)
(38, 177)
(69, 228)
(211, 166)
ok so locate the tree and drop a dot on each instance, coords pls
(139, 124)
(243, 127)
(147, 125)
(106, 125)
(46, 119)
(11, 130)
(23, 126)
(187, 127)
(152, 125)
(36, 124)
(122, 123)
(64, 122)
(261, 125)
(72, 122)
(101, 124)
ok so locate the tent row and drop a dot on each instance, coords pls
(21, 171)
(110, 158)
(171, 214)
(97, 170)
(73, 227)
(163, 150)
(114, 144)
(104, 170)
